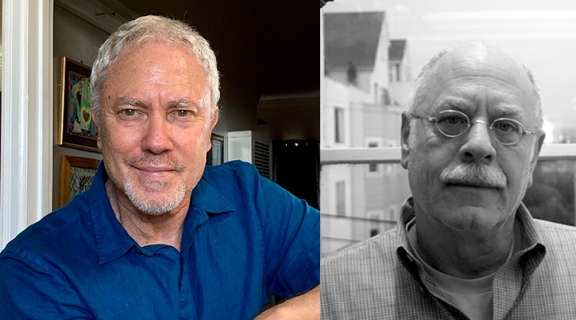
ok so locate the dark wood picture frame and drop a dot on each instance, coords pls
(76, 176)
(75, 126)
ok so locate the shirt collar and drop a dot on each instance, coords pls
(529, 239)
(529, 255)
(114, 241)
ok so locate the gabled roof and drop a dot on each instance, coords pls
(396, 50)
(352, 38)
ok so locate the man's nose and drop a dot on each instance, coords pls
(478, 145)
(157, 137)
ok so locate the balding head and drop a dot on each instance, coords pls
(478, 56)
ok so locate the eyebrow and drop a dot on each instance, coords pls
(504, 110)
(182, 103)
(129, 101)
(450, 103)
(508, 111)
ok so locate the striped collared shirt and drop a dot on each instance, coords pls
(378, 278)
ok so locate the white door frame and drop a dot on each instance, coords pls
(27, 117)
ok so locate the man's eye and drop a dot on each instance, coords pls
(453, 120)
(129, 112)
(506, 126)
(183, 113)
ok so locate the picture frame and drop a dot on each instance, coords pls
(76, 176)
(75, 126)
(215, 156)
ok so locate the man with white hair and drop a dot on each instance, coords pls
(159, 235)
(465, 246)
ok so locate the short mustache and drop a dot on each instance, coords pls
(474, 175)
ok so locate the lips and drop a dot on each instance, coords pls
(154, 169)
(154, 173)
(474, 184)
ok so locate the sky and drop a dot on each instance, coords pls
(542, 34)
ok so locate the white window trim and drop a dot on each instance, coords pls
(27, 116)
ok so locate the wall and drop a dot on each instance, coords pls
(290, 118)
(78, 40)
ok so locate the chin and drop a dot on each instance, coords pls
(155, 198)
(473, 218)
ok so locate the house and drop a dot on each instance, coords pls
(359, 200)
(399, 73)
(356, 47)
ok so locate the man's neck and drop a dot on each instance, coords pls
(466, 254)
(147, 229)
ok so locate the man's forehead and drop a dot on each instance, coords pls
(480, 57)
(476, 74)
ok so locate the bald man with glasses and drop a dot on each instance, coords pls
(465, 246)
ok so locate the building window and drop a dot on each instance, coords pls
(339, 125)
(341, 199)
(386, 97)
(372, 167)
(398, 73)
(375, 222)
(352, 74)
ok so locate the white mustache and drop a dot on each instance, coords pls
(474, 175)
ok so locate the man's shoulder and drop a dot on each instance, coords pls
(230, 169)
(552, 233)
(365, 277)
(371, 255)
(53, 231)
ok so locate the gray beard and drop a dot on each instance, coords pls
(154, 206)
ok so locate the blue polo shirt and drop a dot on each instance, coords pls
(244, 239)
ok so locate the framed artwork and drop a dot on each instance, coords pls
(76, 176)
(75, 126)
(216, 154)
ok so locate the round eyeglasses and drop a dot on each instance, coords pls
(452, 123)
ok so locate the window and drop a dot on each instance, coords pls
(374, 223)
(339, 125)
(341, 198)
(386, 97)
(352, 74)
(372, 167)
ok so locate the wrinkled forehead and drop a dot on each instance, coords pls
(486, 65)
(482, 60)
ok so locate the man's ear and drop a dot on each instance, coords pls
(404, 139)
(98, 134)
(212, 125)
(214, 118)
(537, 147)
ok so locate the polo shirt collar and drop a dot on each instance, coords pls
(113, 240)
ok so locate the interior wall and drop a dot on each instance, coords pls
(290, 119)
(78, 40)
